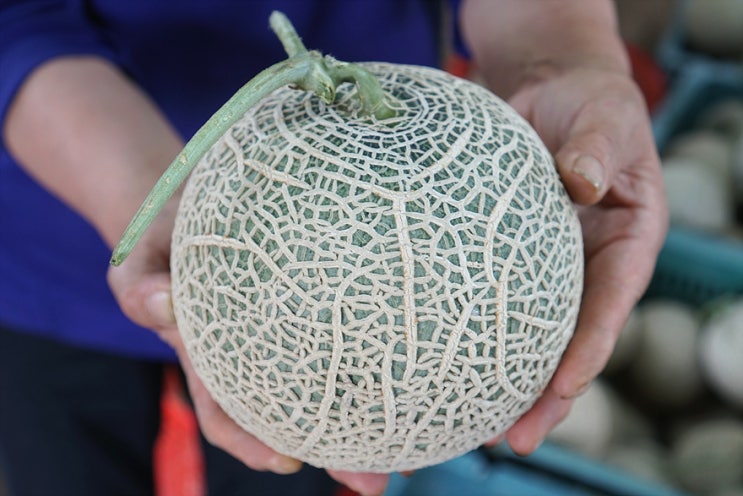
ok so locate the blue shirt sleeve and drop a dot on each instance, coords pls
(34, 31)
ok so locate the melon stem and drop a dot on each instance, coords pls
(304, 69)
(286, 33)
(369, 92)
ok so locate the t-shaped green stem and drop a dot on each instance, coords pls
(307, 70)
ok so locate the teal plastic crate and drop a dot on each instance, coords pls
(673, 52)
(699, 86)
(696, 269)
(693, 266)
(550, 471)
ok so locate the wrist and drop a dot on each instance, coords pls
(520, 42)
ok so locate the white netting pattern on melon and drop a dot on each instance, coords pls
(374, 296)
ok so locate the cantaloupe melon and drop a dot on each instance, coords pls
(377, 294)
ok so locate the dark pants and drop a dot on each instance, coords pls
(77, 422)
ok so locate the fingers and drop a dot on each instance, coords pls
(142, 289)
(595, 127)
(593, 340)
(615, 277)
(606, 158)
(604, 310)
(529, 431)
(604, 137)
(222, 431)
(365, 484)
(622, 242)
(146, 299)
(616, 274)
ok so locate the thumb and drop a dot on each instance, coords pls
(594, 122)
(158, 307)
(584, 176)
(604, 137)
(591, 157)
(144, 297)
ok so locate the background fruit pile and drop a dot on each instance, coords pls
(669, 406)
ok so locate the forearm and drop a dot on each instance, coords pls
(87, 134)
(519, 41)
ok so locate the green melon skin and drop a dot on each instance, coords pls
(374, 295)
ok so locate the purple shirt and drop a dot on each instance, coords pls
(190, 56)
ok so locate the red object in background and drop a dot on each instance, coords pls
(457, 65)
(651, 79)
(344, 491)
(179, 465)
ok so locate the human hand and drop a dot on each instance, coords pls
(142, 288)
(595, 123)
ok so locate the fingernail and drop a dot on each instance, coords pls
(160, 308)
(581, 389)
(589, 169)
(531, 445)
(284, 465)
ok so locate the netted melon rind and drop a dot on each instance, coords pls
(377, 296)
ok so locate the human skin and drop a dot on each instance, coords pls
(560, 63)
(571, 79)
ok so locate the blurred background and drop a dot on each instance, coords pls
(666, 417)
